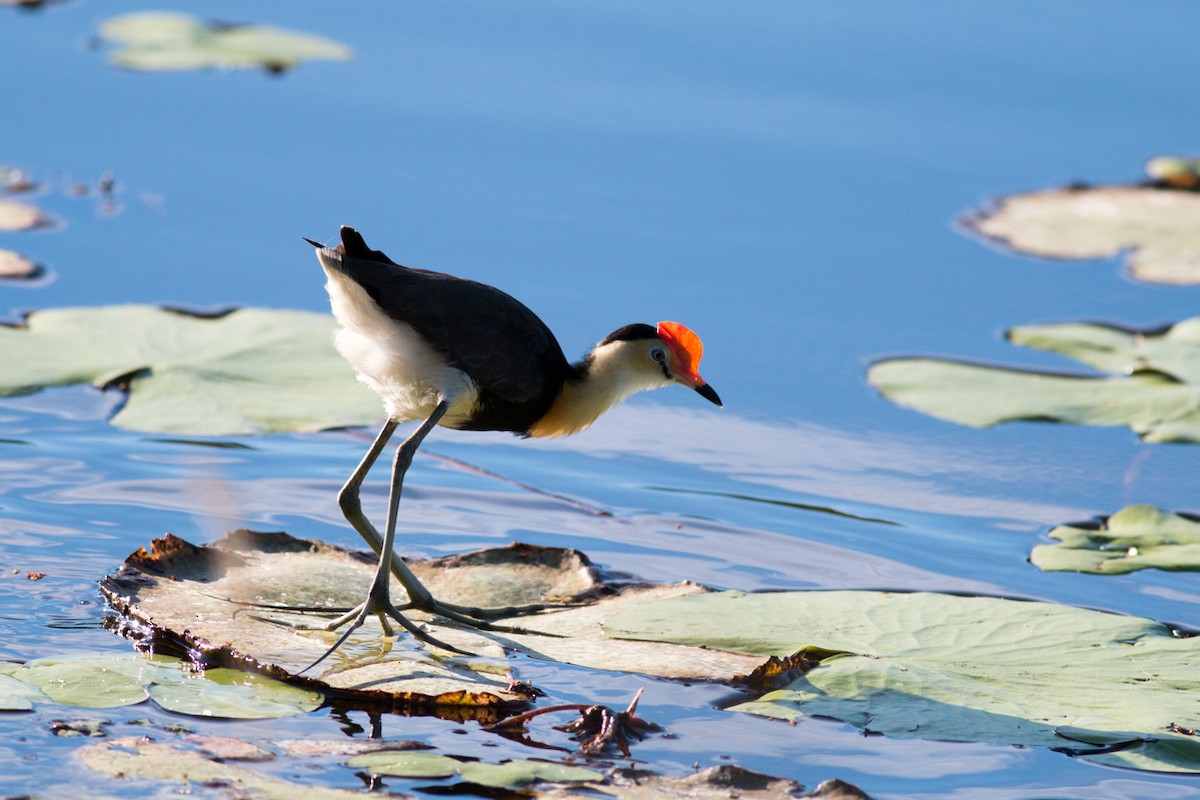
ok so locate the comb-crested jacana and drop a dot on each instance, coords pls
(465, 355)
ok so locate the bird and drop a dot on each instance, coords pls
(461, 354)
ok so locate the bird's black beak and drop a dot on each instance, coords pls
(708, 394)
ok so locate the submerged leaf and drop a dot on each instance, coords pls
(252, 370)
(158, 40)
(1158, 227)
(1153, 388)
(973, 669)
(1137, 537)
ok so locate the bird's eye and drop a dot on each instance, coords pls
(659, 354)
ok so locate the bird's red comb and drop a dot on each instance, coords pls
(686, 346)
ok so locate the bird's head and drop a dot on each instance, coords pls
(659, 356)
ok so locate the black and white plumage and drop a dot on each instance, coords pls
(462, 354)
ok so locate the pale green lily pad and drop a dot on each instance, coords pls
(407, 764)
(119, 679)
(253, 370)
(1159, 228)
(231, 694)
(509, 775)
(85, 682)
(1137, 537)
(17, 695)
(159, 40)
(956, 668)
(1153, 385)
(16, 216)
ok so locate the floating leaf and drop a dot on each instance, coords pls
(1137, 537)
(232, 600)
(929, 665)
(17, 695)
(119, 679)
(16, 216)
(1159, 228)
(957, 668)
(90, 682)
(232, 694)
(509, 775)
(249, 371)
(1154, 388)
(159, 40)
(139, 758)
(522, 772)
(407, 764)
(16, 266)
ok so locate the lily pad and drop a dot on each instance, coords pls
(1157, 227)
(930, 665)
(233, 694)
(1136, 537)
(974, 669)
(120, 679)
(251, 370)
(13, 265)
(16, 216)
(233, 601)
(1153, 385)
(509, 775)
(139, 758)
(167, 41)
(17, 695)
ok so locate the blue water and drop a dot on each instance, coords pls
(784, 178)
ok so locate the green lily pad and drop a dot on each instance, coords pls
(91, 682)
(119, 679)
(509, 775)
(166, 41)
(1137, 537)
(252, 370)
(1153, 385)
(946, 667)
(1157, 227)
(17, 695)
(232, 694)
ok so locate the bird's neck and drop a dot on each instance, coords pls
(596, 384)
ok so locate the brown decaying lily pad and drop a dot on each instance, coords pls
(234, 602)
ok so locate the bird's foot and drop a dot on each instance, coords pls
(384, 610)
(481, 618)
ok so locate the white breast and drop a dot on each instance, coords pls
(393, 359)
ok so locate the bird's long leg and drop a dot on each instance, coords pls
(379, 596)
(419, 596)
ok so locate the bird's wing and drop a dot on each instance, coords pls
(492, 337)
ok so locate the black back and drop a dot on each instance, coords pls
(506, 349)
